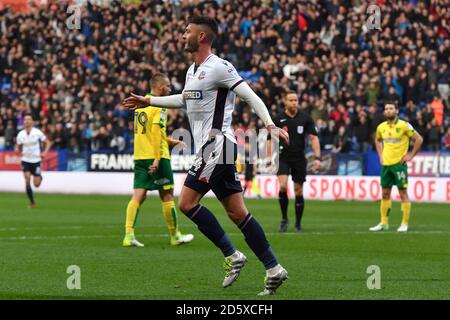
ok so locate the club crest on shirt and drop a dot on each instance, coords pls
(397, 130)
(202, 75)
(300, 129)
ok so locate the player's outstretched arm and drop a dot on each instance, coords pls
(246, 93)
(136, 101)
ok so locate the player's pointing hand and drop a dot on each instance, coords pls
(136, 101)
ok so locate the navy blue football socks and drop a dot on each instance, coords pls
(210, 227)
(257, 241)
(30, 193)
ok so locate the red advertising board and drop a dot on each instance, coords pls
(11, 160)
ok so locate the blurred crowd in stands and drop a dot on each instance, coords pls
(72, 80)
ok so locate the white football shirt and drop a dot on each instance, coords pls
(209, 98)
(31, 144)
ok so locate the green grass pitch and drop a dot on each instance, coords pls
(328, 261)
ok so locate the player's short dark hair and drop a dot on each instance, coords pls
(156, 78)
(206, 21)
(289, 92)
(27, 114)
(391, 102)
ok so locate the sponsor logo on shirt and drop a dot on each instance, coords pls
(193, 95)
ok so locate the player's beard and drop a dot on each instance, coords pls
(191, 46)
(391, 117)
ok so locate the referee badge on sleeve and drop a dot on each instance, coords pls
(299, 129)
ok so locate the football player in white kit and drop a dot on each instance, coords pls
(209, 97)
(28, 142)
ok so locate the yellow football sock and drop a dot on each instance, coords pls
(385, 208)
(170, 213)
(406, 209)
(132, 213)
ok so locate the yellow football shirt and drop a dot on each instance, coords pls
(395, 139)
(144, 119)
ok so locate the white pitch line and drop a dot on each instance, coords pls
(112, 226)
(231, 234)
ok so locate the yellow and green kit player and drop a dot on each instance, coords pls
(152, 169)
(392, 143)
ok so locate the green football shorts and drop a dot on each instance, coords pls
(394, 175)
(160, 180)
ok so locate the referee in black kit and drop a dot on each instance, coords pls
(292, 156)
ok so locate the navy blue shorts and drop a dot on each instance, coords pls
(34, 168)
(214, 169)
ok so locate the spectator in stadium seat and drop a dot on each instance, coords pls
(434, 135)
(100, 140)
(431, 93)
(58, 137)
(319, 110)
(438, 110)
(420, 126)
(373, 92)
(10, 134)
(411, 91)
(362, 132)
(411, 110)
(329, 135)
(375, 117)
(342, 142)
(428, 113)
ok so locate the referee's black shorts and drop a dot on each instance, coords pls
(294, 167)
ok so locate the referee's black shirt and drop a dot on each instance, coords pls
(297, 127)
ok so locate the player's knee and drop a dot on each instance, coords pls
(37, 182)
(403, 196)
(186, 206)
(139, 198)
(283, 188)
(298, 192)
(236, 216)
